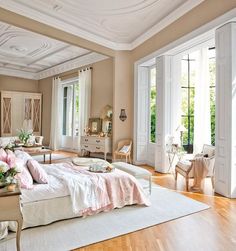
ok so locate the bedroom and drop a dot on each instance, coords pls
(122, 67)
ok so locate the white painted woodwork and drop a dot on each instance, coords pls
(141, 113)
(225, 174)
(163, 127)
(96, 144)
(18, 112)
(109, 23)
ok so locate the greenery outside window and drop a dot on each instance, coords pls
(152, 104)
(70, 126)
(188, 82)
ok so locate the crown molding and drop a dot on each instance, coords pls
(90, 58)
(67, 27)
(173, 16)
(18, 73)
(55, 70)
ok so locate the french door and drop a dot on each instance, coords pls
(70, 116)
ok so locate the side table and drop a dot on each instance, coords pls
(10, 209)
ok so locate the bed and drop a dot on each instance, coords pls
(74, 191)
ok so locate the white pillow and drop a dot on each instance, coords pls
(23, 155)
(125, 149)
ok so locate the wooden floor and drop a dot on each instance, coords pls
(209, 230)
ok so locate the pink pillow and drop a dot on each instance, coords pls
(11, 158)
(3, 155)
(37, 172)
(25, 179)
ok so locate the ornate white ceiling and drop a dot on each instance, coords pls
(27, 54)
(117, 24)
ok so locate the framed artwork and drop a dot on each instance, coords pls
(95, 125)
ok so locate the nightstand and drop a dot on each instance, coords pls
(10, 209)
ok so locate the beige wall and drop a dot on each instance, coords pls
(102, 84)
(45, 87)
(122, 97)
(8, 83)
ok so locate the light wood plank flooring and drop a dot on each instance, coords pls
(209, 230)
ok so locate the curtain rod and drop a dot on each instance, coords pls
(72, 73)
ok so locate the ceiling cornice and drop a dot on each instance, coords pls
(55, 70)
(49, 20)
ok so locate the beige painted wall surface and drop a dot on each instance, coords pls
(45, 87)
(102, 85)
(102, 77)
(122, 97)
(8, 83)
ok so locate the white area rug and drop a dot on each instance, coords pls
(74, 233)
(55, 156)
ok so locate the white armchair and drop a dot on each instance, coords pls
(185, 167)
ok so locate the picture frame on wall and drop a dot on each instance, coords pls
(95, 125)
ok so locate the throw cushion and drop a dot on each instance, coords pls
(24, 178)
(125, 149)
(3, 155)
(23, 155)
(11, 158)
(37, 172)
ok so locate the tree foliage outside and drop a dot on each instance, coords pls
(187, 105)
(153, 94)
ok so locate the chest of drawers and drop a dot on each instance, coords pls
(96, 144)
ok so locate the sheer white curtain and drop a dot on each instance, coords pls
(84, 99)
(202, 119)
(56, 114)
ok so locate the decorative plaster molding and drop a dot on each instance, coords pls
(33, 13)
(69, 65)
(18, 73)
(72, 64)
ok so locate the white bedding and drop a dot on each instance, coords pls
(69, 192)
(54, 189)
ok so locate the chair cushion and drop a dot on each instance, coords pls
(131, 169)
(209, 150)
(184, 165)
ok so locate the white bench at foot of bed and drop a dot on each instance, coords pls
(137, 172)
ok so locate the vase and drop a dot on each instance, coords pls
(11, 187)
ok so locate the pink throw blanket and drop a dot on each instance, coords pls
(92, 193)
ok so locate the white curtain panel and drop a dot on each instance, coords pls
(84, 99)
(202, 120)
(56, 114)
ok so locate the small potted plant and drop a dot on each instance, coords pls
(24, 136)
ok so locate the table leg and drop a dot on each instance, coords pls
(50, 158)
(18, 234)
(44, 158)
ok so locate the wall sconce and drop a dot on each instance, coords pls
(123, 115)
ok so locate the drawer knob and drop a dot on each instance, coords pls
(97, 147)
(98, 141)
(86, 146)
(86, 140)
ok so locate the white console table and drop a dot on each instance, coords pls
(96, 144)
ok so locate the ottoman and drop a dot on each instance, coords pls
(137, 172)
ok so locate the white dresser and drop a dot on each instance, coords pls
(96, 144)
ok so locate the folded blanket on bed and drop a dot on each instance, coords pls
(92, 193)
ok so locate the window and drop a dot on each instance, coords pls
(70, 125)
(152, 107)
(212, 71)
(188, 81)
